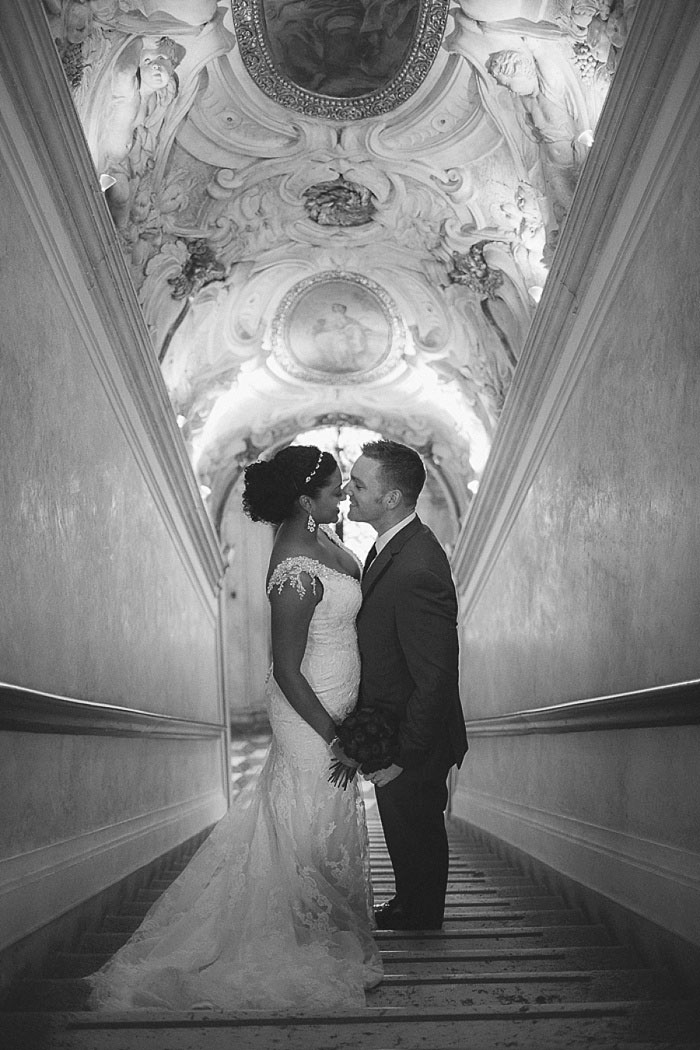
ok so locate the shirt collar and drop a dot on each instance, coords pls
(382, 540)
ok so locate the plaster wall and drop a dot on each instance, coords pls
(596, 591)
(97, 601)
(103, 600)
(246, 621)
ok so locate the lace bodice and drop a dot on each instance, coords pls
(331, 661)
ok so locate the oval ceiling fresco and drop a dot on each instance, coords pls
(339, 59)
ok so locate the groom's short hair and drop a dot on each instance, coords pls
(401, 466)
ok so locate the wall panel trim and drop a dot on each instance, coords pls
(654, 879)
(665, 705)
(30, 711)
(37, 886)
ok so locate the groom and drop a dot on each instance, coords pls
(407, 629)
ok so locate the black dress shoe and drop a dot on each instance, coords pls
(387, 914)
(391, 916)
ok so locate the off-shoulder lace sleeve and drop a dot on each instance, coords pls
(290, 571)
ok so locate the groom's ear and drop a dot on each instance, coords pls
(393, 497)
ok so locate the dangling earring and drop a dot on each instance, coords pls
(311, 524)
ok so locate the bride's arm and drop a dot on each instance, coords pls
(292, 609)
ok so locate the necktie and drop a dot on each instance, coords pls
(371, 555)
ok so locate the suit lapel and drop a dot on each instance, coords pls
(385, 557)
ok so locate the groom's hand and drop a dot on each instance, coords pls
(382, 777)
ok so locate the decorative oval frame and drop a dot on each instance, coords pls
(375, 330)
(257, 59)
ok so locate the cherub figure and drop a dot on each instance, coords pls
(143, 85)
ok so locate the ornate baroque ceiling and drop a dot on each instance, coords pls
(339, 210)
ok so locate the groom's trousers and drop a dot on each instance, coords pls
(412, 811)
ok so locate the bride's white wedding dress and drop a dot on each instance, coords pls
(275, 909)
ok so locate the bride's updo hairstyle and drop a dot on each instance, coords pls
(273, 486)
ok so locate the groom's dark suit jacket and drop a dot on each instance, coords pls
(407, 630)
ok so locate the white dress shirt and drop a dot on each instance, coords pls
(381, 541)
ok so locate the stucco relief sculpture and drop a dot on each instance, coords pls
(339, 203)
(528, 237)
(486, 296)
(441, 214)
(140, 73)
(549, 116)
(555, 59)
(142, 86)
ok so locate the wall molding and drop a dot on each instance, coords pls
(665, 705)
(53, 172)
(656, 880)
(30, 711)
(38, 886)
(620, 182)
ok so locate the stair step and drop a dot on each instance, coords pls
(105, 941)
(51, 995)
(380, 859)
(469, 884)
(508, 960)
(497, 937)
(401, 991)
(513, 917)
(487, 898)
(76, 964)
(513, 967)
(99, 947)
(385, 873)
(459, 990)
(579, 1026)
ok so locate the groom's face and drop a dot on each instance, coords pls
(366, 491)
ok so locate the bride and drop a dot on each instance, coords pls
(274, 911)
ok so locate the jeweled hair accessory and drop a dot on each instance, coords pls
(307, 480)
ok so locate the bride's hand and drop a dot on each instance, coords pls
(340, 756)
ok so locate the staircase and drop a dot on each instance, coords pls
(514, 967)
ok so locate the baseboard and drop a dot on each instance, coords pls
(27, 958)
(38, 886)
(659, 948)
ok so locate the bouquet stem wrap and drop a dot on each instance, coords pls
(369, 739)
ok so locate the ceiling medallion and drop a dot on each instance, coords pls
(337, 328)
(344, 60)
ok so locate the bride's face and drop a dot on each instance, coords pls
(325, 502)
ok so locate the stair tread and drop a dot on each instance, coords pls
(573, 1025)
(509, 951)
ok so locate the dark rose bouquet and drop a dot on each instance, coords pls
(369, 739)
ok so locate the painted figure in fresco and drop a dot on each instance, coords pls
(341, 340)
(341, 48)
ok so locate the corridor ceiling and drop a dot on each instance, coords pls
(338, 211)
